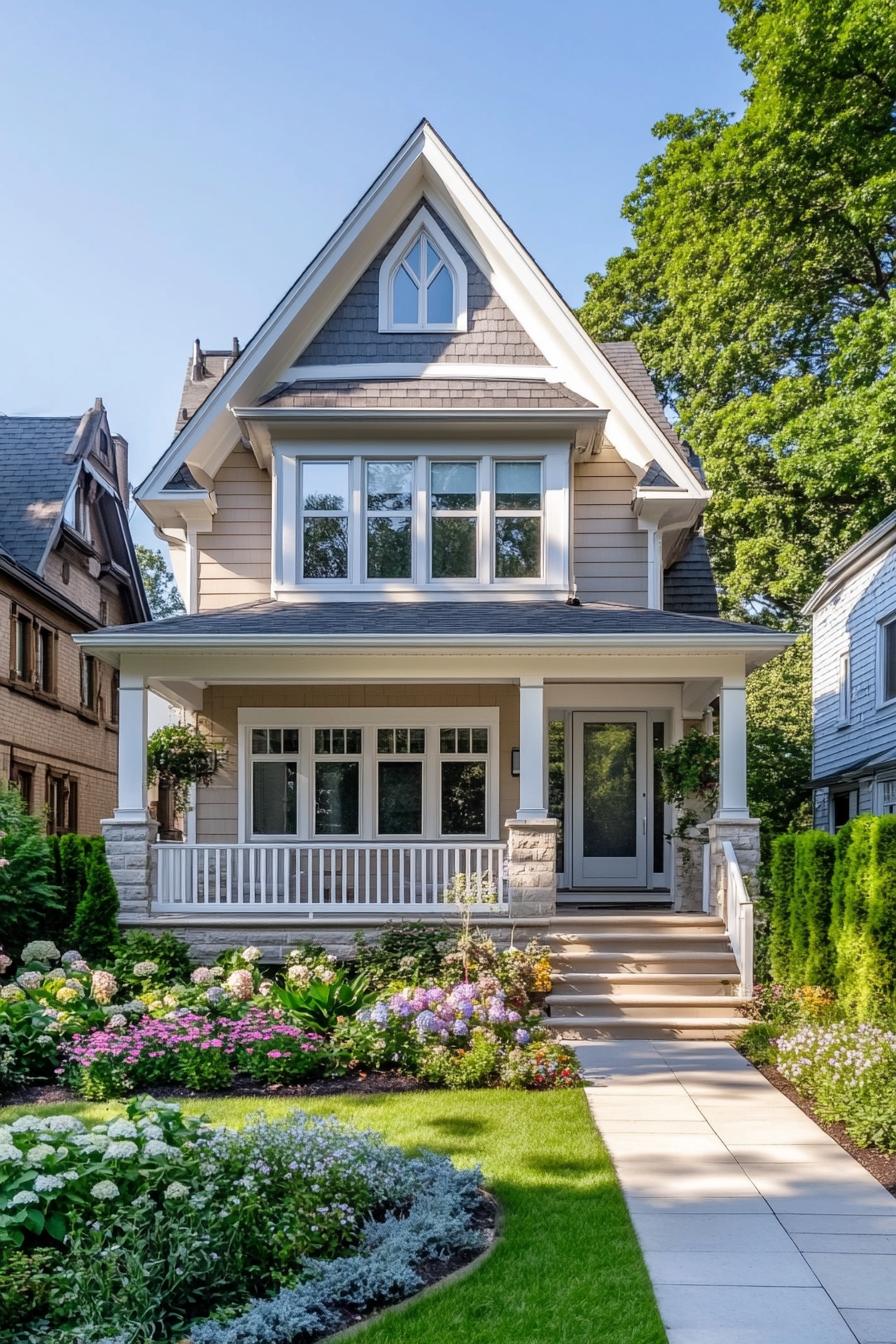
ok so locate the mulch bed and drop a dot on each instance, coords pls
(359, 1084)
(882, 1166)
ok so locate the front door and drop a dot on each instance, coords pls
(609, 803)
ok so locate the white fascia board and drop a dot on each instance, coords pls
(301, 373)
(541, 417)
(866, 551)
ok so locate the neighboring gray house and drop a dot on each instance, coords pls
(854, 681)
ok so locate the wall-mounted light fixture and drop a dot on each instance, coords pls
(515, 762)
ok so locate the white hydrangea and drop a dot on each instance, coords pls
(71, 1175)
(5, 1134)
(39, 1153)
(121, 1148)
(70, 956)
(251, 954)
(44, 1184)
(144, 969)
(122, 1129)
(40, 950)
(23, 1197)
(28, 1124)
(29, 980)
(9, 1153)
(176, 1190)
(63, 1124)
(156, 1148)
(149, 1130)
(202, 975)
(118, 1020)
(104, 1190)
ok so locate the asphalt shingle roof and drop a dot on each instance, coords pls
(624, 357)
(427, 393)
(271, 617)
(34, 479)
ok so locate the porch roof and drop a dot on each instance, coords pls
(549, 624)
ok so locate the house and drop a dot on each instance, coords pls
(67, 566)
(854, 681)
(447, 596)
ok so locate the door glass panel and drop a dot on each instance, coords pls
(610, 789)
(400, 802)
(336, 797)
(659, 810)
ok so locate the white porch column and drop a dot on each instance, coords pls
(733, 749)
(132, 725)
(532, 782)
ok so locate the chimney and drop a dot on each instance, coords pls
(234, 353)
(120, 445)
(198, 371)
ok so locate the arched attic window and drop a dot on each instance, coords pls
(423, 281)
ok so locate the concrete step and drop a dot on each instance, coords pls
(633, 919)
(652, 962)
(650, 1006)
(621, 984)
(638, 947)
(664, 1028)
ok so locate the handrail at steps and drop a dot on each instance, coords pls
(738, 915)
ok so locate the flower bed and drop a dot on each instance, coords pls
(184, 1221)
(156, 1022)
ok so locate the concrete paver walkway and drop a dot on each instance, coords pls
(756, 1227)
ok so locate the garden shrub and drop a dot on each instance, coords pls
(95, 929)
(782, 879)
(29, 902)
(406, 953)
(810, 908)
(849, 902)
(876, 977)
(140, 948)
(473, 1066)
(75, 855)
(849, 1073)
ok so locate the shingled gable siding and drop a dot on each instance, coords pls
(350, 335)
(850, 622)
(217, 806)
(610, 553)
(235, 556)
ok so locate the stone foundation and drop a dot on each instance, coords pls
(743, 836)
(131, 857)
(532, 868)
(207, 936)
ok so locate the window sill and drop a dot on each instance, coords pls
(88, 715)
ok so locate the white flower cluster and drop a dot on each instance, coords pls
(40, 950)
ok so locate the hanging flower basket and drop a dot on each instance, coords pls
(180, 757)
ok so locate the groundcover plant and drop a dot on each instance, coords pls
(159, 1226)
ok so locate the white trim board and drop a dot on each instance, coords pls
(300, 373)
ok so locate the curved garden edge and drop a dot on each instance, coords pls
(360, 1084)
(446, 1280)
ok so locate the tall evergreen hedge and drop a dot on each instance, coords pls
(833, 914)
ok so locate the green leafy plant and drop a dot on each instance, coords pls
(95, 929)
(319, 1004)
(406, 953)
(166, 951)
(475, 1066)
(689, 770)
(181, 757)
(29, 903)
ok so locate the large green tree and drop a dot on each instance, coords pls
(759, 291)
(161, 590)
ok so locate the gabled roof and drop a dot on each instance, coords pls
(624, 357)
(874, 543)
(37, 468)
(425, 167)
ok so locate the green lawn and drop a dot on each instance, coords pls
(567, 1270)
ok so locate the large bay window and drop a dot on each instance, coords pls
(429, 521)
(377, 775)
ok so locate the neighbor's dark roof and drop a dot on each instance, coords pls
(624, 357)
(438, 618)
(34, 478)
(656, 477)
(688, 585)
(427, 393)
(183, 479)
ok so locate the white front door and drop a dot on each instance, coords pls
(609, 802)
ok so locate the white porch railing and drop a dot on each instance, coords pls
(320, 877)
(733, 903)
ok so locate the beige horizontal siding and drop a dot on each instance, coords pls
(609, 552)
(235, 554)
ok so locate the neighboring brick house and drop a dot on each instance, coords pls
(67, 566)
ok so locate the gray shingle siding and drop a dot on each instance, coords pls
(688, 585)
(431, 393)
(849, 622)
(441, 618)
(350, 334)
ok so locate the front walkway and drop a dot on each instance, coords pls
(756, 1227)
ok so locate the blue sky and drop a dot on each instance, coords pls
(170, 168)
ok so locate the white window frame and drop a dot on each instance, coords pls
(411, 757)
(423, 223)
(475, 512)
(882, 627)
(844, 690)
(336, 758)
(288, 518)
(539, 513)
(409, 512)
(277, 758)
(432, 718)
(345, 513)
(853, 796)
(880, 788)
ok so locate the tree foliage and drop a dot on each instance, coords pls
(161, 590)
(759, 291)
